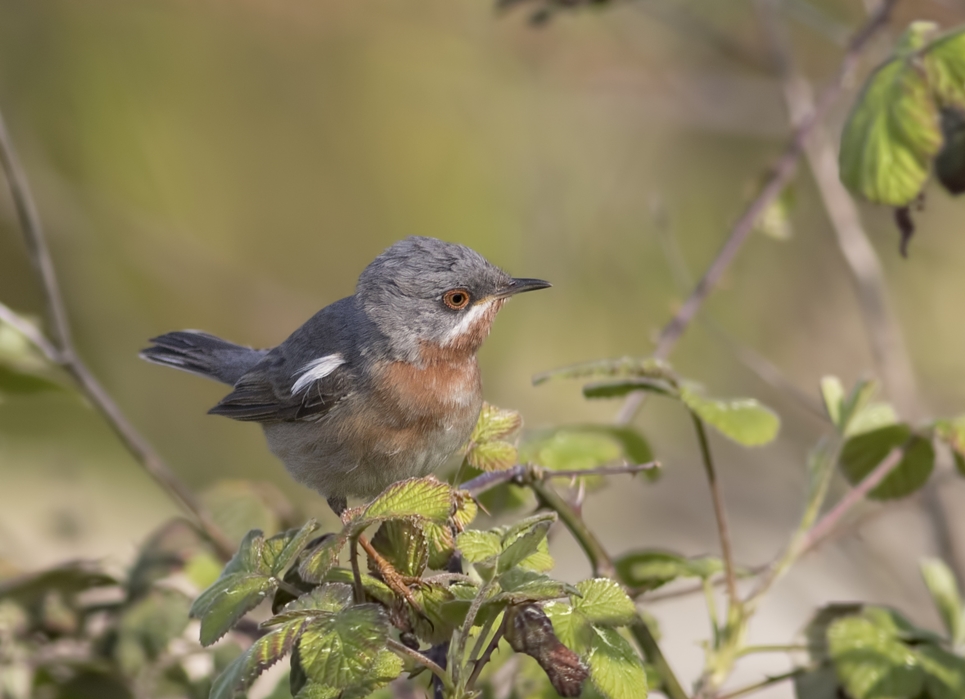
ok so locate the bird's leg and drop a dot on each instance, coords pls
(393, 579)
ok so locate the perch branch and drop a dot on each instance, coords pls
(780, 175)
(524, 473)
(63, 352)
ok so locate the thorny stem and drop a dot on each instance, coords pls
(719, 512)
(418, 657)
(780, 175)
(602, 565)
(484, 658)
(62, 351)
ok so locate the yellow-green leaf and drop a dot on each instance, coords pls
(743, 420)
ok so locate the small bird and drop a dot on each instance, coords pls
(380, 386)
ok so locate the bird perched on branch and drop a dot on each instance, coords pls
(380, 386)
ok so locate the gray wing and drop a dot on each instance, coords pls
(304, 377)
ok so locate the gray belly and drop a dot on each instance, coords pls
(349, 453)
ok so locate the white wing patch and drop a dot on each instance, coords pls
(467, 321)
(315, 370)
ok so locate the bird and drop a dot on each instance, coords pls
(375, 388)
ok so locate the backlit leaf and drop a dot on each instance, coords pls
(522, 539)
(263, 653)
(491, 456)
(649, 569)
(339, 651)
(615, 669)
(403, 545)
(495, 424)
(871, 661)
(603, 602)
(743, 420)
(426, 497)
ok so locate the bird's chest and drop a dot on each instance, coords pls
(443, 393)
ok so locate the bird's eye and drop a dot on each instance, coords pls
(456, 299)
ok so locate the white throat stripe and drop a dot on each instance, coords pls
(467, 321)
(315, 370)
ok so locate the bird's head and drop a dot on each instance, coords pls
(426, 292)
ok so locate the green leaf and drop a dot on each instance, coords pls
(426, 497)
(615, 669)
(491, 456)
(649, 367)
(891, 135)
(743, 420)
(944, 672)
(541, 561)
(248, 579)
(621, 387)
(522, 539)
(477, 546)
(775, 220)
(570, 626)
(433, 624)
(23, 369)
(951, 431)
(651, 568)
(402, 544)
(440, 538)
(821, 683)
(263, 653)
(832, 393)
(580, 447)
(146, 627)
(495, 424)
(519, 586)
(944, 61)
(604, 602)
(339, 651)
(323, 557)
(326, 599)
(945, 594)
(862, 453)
(871, 662)
(238, 506)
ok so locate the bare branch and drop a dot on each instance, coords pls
(523, 473)
(63, 352)
(781, 173)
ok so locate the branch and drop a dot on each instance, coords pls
(523, 474)
(63, 352)
(763, 684)
(602, 565)
(883, 328)
(781, 173)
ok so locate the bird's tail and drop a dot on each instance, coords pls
(203, 354)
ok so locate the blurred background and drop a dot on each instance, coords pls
(233, 166)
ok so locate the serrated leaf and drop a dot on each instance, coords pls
(338, 651)
(743, 420)
(625, 366)
(615, 669)
(250, 576)
(432, 624)
(323, 557)
(622, 387)
(403, 544)
(426, 497)
(944, 61)
(230, 598)
(569, 625)
(440, 538)
(891, 135)
(584, 447)
(495, 424)
(263, 653)
(871, 662)
(651, 568)
(541, 561)
(863, 452)
(522, 539)
(492, 456)
(604, 602)
(944, 592)
(328, 598)
(478, 546)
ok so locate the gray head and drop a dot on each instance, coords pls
(426, 291)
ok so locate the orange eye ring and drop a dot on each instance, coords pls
(456, 299)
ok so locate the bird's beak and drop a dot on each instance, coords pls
(518, 286)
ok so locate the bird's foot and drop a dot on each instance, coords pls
(397, 582)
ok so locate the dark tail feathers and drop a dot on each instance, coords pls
(203, 354)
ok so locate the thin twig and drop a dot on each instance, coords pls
(484, 658)
(780, 175)
(830, 520)
(418, 657)
(883, 328)
(763, 684)
(64, 353)
(523, 473)
(720, 513)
